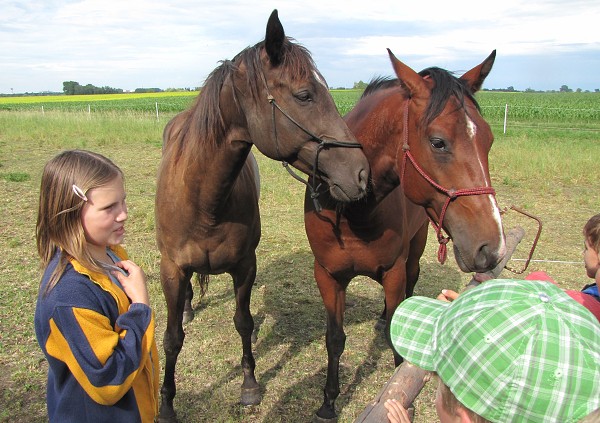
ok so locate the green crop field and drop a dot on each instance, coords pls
(524, 109)
(546, 164)
(539, 109)
(101, 103)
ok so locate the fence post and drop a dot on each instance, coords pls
(156, 111)
(505, 116)
(43, 110)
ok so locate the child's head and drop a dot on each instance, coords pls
(506, 350)
(591, 232)
(447, 404)
(591, 252)
(65, 181)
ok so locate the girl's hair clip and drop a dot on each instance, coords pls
(79, 192)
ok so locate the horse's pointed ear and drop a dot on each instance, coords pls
(477, 75)
(274, 39)
(410, 79)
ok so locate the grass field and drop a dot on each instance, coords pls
(545, 165)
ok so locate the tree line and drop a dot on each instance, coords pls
(74, 88)
(563, 89)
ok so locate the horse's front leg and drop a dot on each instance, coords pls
(413, 266)
(334, 299)
(394, 288)
(188, 311)
(399, 282)
(243, 280)
(174, 284)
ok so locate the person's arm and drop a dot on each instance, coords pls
(104, 360)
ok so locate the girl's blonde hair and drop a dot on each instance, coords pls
(591, 232)
(59, 224)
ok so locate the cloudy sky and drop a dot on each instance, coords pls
(145, 43)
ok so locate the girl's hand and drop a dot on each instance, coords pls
(396, 413)
(134, 285)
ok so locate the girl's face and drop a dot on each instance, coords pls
(444, 415)
(591, 258)
(103, 217)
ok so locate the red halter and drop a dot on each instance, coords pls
(451, 193)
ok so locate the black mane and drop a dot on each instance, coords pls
(204, 118)
(446, 85)
(380, 83)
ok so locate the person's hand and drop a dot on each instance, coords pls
(447, 295)
(396, 413)
(134, 284)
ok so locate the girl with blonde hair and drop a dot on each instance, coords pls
(93, 320)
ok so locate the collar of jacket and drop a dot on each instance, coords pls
(104, 282)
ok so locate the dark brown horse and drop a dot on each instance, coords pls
(428, 146)
(207, 220)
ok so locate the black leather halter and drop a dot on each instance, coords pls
(322, 144)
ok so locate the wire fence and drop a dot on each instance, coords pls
(555, 118)
(507, 115)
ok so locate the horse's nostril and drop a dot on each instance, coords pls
(486, 258)
(363, 179)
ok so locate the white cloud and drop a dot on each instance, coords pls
(128, 44)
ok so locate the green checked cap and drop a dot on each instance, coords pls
(509, 350)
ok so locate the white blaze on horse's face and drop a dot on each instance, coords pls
(471, 128)
(498, 220)
(319, 78)
(495, 211)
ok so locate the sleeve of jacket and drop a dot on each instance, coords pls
(103, 359)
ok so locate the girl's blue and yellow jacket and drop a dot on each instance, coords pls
(101, 350)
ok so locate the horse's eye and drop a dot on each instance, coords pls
(438, 144)
(303, 96)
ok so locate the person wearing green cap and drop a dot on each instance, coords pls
(518, 351)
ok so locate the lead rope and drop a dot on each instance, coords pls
(450, 193)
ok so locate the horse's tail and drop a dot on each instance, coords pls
(203, 282)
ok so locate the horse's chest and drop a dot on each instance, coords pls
(215, 250)
(358, 253)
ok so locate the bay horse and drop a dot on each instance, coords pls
(207, 218)
(427, 146)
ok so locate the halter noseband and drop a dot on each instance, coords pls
(322, 144)
(452, 194)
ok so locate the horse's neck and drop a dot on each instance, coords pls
(384, 161)
(382, 143)
(213, 172)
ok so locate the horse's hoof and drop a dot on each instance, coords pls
(251, 396)
(380, 325)
(325, 414)
(188, 316)
(318, 419)
(167, 416)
